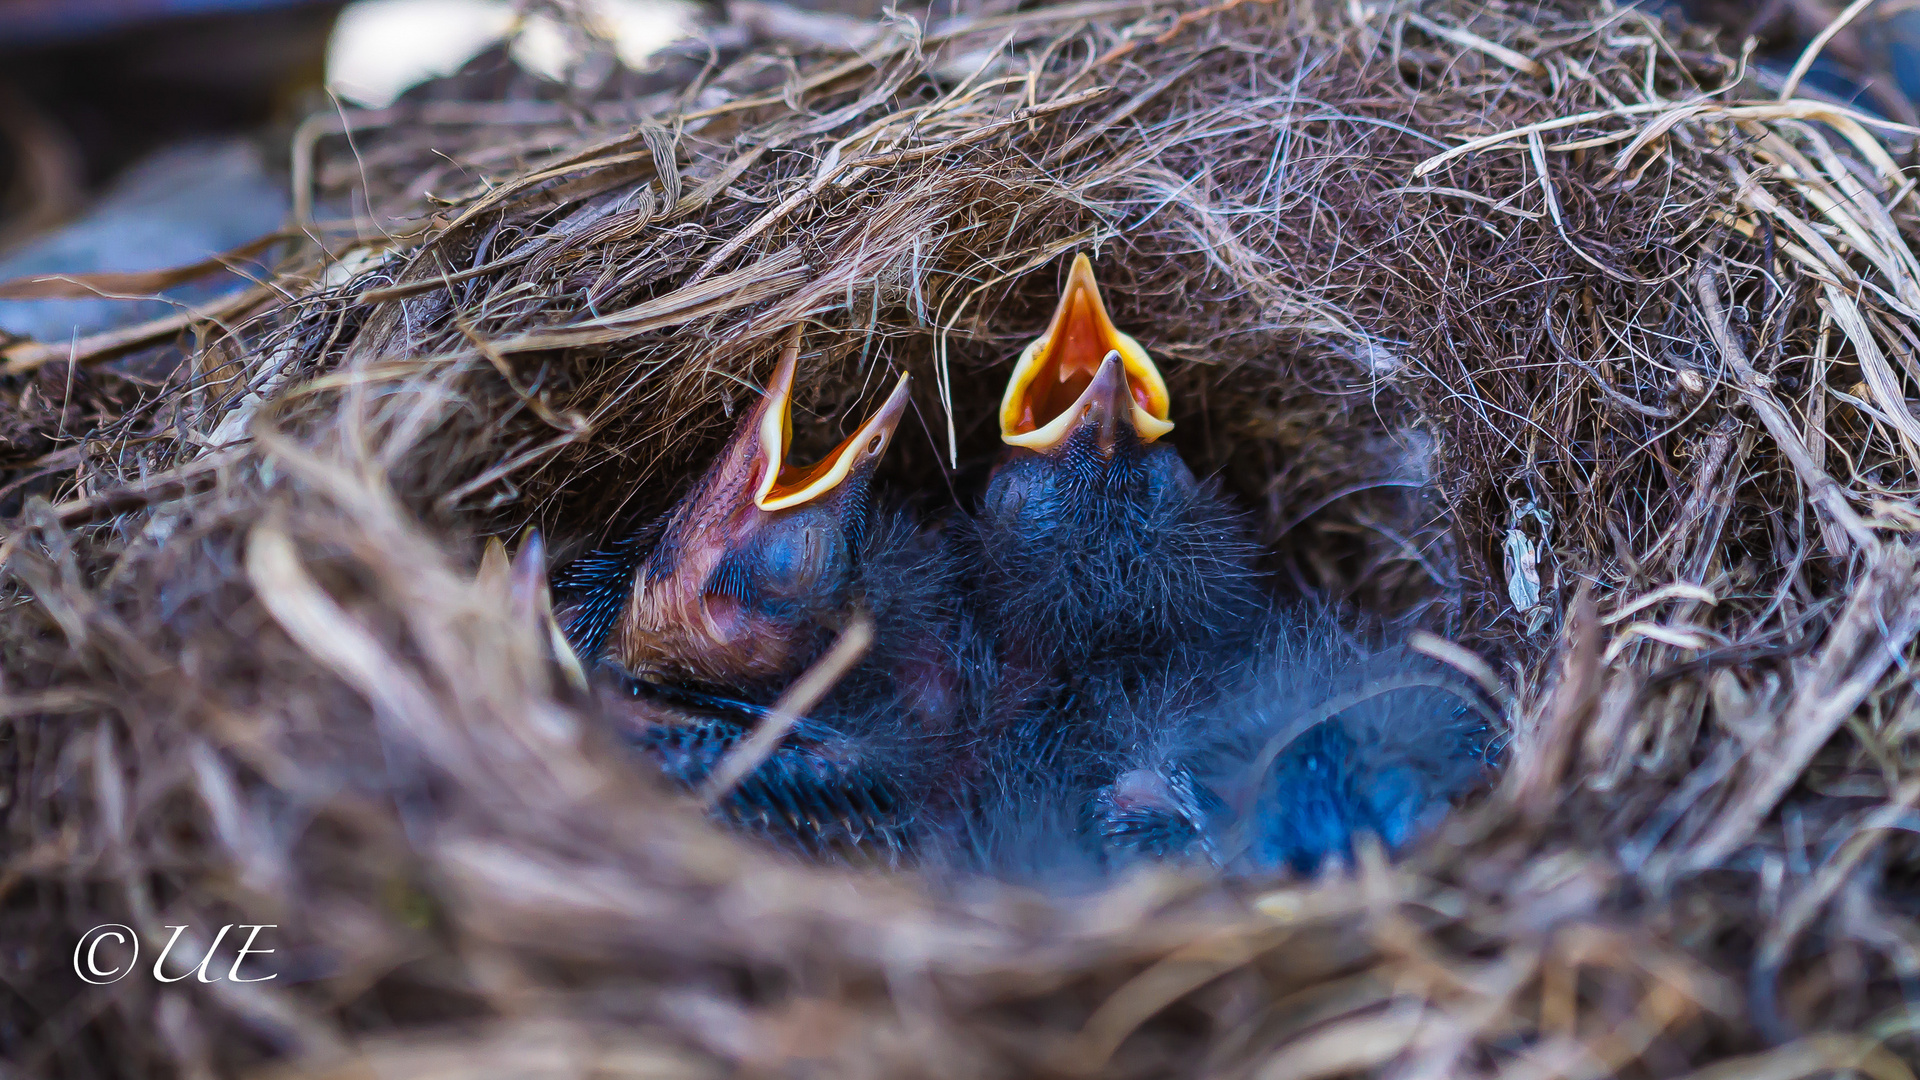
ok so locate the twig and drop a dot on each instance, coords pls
(1171, 32)
(1522, 63)
(1710, 110)
(1823, 491)
(1799, 912)
(1536, 786)
(1878, 622)
(32, 355)
(1462, 659)
(1812, 52)
(194, 476)
(114, 285)
(800, 698)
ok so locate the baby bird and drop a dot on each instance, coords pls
(1148, 699)
(747, 577)
(703, 619)
(1097, 566)
(1292, 756)
(1094, 538)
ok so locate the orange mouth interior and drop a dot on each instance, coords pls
(1069, 364)
(787, 485)
(792, 480)
(1054, 372)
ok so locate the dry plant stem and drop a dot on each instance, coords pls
(1818, 893)
(807, 691)
(1156, 988)
(1462, 659)
(751, 284)
(312, 618)
(1536, 776)
(1826, 495)
(833, 167)
(132, 283)
(1813, 1056)
(1517, 61)
(1866, 639)
(439, 113)
(174, 483)
(1670, 116)
(26, 357)
(1812, 52)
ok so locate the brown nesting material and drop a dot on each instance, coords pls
(1475, 308)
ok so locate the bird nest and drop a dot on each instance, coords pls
(1518, 328)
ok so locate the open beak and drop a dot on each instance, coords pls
(522, 582)
(1056, 386)
(781, 485)
(686, 614)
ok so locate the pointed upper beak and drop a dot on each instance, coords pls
(1106, 406)
(781, 485)
(1053, 390)
(523, 580)
(693, 610)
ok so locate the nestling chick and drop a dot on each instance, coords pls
(1312, 744)
(1276, 761)
(749, 575)
(1097, 565)
(1144, 680)
(1094, 539)
(704, 619)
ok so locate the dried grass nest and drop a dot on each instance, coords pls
(1511, 323)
